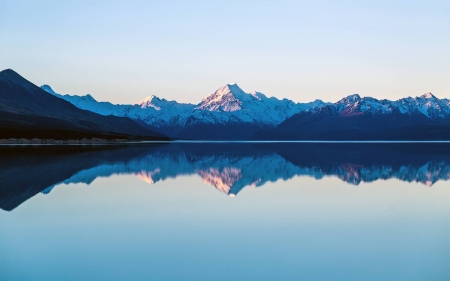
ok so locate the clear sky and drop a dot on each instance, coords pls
(123, 51)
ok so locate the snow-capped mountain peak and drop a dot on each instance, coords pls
(347, 105)
(150, 101)
(227, 105)
(350, 99)
(258, 95)
(427, 96)
(231, 104)
(227, 98)
(427, 104)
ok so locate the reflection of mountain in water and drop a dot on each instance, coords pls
(228, 173)
(228, 167)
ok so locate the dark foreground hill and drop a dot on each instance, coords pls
(27, 111)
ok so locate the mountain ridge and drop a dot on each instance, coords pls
(229, 113)
(229, 108)
(27, 111)
(354, 118)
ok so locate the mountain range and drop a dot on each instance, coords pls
(229, 113)
(355, 118)
(27, 111)
(232, 114)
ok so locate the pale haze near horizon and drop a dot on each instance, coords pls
(123, 51)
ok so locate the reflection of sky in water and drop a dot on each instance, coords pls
(155, 213)
(122, 228)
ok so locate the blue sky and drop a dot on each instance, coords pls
(123, 51)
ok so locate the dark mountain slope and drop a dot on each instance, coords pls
(28, 111)
(195, 129)
(328, 125)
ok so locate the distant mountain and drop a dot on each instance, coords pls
(228, 113)
(27, 111)
(151, 110)
(355, 118)
(232, 114)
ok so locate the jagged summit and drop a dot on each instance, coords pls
(241, 114)
(227, 98)
(258, 95)
(427, 96)
(86, 98)
(350, 98)
(150, 101)
(228, 105)
(28, 111)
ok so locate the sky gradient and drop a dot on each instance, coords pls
(123, 51)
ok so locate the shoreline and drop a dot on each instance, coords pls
(23, 141)
(37, 141)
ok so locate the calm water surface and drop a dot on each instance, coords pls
(225, 212)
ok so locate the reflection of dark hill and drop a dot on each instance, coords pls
(27, 111)
(228, 167)
(26, 171)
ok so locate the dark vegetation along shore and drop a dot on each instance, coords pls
(61, 141)
(28, 112)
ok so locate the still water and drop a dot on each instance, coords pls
(218, 211)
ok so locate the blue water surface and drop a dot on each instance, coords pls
(225, 212)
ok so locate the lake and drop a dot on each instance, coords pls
(225, 211)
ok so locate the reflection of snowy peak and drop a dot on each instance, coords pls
(230, 173)
(227, 174)
(222, 180)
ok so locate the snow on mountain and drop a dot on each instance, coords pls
(229, 104)
(151, 110)
(228, 98)
(427, 104)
